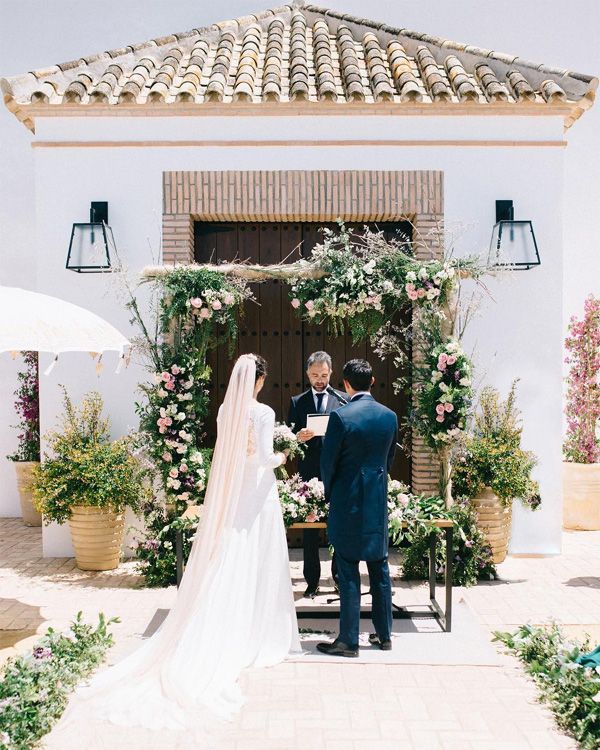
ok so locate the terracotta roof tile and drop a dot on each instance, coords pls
(295, 53)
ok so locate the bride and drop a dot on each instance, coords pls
(234, 609)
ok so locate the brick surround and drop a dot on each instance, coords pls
(311, 196)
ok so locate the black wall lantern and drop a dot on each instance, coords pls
(89, 245)
(513, 245)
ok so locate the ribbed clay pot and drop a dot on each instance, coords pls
(581, 496)
(24, 470)
(494, 519)
(97, 536)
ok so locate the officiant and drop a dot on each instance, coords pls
(320, 398)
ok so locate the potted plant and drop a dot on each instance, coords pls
(493, 470)
(581, 468)
(89, 482)
(27, 455)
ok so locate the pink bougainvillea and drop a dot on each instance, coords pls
(582, 443)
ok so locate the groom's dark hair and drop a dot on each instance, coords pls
(359, 373)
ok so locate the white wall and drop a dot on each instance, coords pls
(32, 35)
(517, 332)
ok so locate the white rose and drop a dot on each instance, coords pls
(423, 273)
(411, 276)
(465, 382)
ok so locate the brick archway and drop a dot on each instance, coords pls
(308, 196)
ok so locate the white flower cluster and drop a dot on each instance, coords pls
(426, 282)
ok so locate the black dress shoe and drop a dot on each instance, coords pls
(311, 592)
(375, 640)
(338, 648)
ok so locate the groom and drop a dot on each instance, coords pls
(357, 454)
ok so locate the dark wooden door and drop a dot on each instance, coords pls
(270, 326)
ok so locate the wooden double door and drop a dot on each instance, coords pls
(271, 327)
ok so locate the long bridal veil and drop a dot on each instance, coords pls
(187, 671)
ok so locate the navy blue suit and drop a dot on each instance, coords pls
(357, 454)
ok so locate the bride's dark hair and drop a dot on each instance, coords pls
(261, 366)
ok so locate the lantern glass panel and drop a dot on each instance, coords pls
(513, 245)
(89, 248)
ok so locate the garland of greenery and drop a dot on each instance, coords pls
(34, 688)
(358, 282)
(571, 689)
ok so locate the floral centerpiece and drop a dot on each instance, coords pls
(301, 502)
(582, 443)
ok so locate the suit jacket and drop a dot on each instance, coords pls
(358, 451)
(300, 407)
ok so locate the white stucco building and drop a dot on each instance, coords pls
(300, 115)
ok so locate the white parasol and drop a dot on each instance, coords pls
(30, 321)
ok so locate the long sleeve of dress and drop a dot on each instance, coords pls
(264, 440)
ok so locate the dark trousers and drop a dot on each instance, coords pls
(312, 564)
(381, 593)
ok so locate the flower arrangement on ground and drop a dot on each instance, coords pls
(472, 556)
(27, 406)
(492, 455)
(301, 502)
(582, 443)
(84, 468)
(567, 678)
(35, 687)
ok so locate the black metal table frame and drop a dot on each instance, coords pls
(443, 616)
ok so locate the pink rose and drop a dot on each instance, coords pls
(440, 408)
(443, 357)
(441, 366)
(409, 288)
(311, 517)
(412, 295)
(295, 303)
(160, 422)
(451, 359)
(309, 305)
(205, 313)
(162, 429)
(175, 370)
(167, 456)
(196, 302)
(170, 386)
(183, 467)
(165, 376)
(216, 304)
(439, 418)
(168, 421)
(449, 407)
(229, 299)
(173, 473)
(403, 499)
(420, 293)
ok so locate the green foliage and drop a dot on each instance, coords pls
(571, 690)
(367, 280)
(84, 468)
(27, 406)
(492, 455)
(472, 555)
(34, 688)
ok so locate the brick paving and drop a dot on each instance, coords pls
(338, 706)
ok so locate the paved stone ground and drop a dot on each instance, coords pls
(339, 706)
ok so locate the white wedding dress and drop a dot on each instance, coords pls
(234, 609)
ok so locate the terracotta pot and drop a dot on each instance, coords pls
(494, 519)
(581, 496)
(24, 470)
(97, 536)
